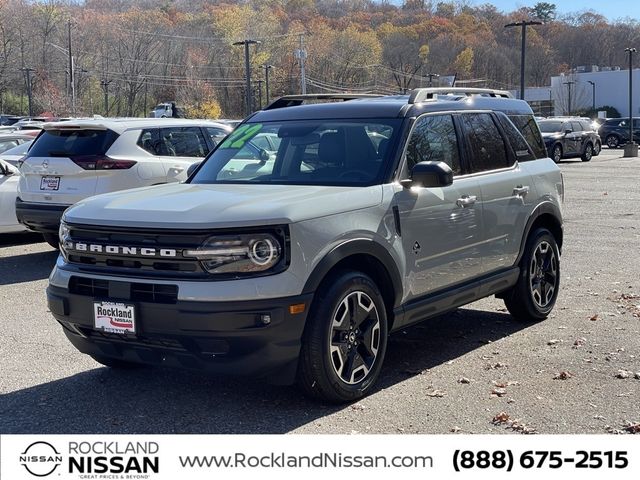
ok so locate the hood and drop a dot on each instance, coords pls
(219, 206)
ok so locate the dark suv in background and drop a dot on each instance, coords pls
(567, 137)
(615, 131)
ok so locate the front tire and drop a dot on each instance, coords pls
(534, 295)
(52, 239)
(556, 153)
(597, 149)
(588, 153)
(345, 339)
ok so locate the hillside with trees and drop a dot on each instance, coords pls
(133, 55)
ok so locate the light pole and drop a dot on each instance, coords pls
(593, 95)
(568, 84)
(431, 77)
(247, 67)
(27, 72)
(266, 80)
(523, 24)
(631, 148)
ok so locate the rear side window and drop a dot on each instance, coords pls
(531, 133)
(485, 141)
(150, 141)
(576, 126)
(216, 134)
(434, 139)
(182, 142)
(517, 141)
(55, 143)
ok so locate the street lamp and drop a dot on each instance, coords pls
(523, 24)
(266, 79)
(631, 148)
(593, 94)
(247, 67)
(568, 84)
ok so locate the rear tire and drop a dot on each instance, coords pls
(52, 239)
(534, 295)
(556, 153)
(116, 363)
(597, 149)
(345, 339)
(588, 153)
(612, 141)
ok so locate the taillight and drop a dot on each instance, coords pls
(101, 162)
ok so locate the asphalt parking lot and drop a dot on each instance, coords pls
(454, 373)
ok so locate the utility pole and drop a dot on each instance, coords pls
(301, 55)
(593, 95)
(27, 72)
(431, 77)
(523, 24)
(105, 85)
(72, 88)
(260, 94)
(266, 80)
(631, 148)
(247, 67)
(568, 84)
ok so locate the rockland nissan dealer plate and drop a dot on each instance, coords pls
(114, 317)
(50, 183)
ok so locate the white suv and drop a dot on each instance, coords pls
(73, 160)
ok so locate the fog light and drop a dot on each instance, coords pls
(265, 319)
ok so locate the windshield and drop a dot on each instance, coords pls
(550, 126)
(310, 152)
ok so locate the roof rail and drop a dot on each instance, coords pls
(421, 94)
(294, 100)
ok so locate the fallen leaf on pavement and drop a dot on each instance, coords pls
(563, 376)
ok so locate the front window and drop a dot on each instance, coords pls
(309, 152)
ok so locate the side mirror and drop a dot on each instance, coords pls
(429, 175)
(568, 131)
(192, 168)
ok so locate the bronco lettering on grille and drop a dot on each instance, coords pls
(120, 250)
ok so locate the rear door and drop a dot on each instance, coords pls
(505, 188)
(179, 148)
(9, 176)
(63, 164)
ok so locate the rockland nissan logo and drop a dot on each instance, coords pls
(120, 250)
(40, 459)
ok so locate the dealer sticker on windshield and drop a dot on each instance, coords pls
(112, 317)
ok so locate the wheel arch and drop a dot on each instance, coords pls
(546, 215)
(369, 257)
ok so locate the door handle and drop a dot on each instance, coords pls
(466, 201)
(520, 190)
(177, 169)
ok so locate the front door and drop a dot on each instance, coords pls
(440, 227)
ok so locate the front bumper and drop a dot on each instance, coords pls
(219, 337)
(39, 217)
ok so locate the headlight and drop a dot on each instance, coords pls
(243, 253)
(63, 232)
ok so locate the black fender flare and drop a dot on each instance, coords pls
(356, 246)
(544, 208)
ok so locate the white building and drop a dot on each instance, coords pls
(611, 88)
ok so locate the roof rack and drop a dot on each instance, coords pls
(421, 94)
(294, 100)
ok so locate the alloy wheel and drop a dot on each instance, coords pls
(543, 274)
(557, 153)
(354, 340)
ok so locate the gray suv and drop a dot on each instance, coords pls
(373, 214)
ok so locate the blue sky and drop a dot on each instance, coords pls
(612, 9)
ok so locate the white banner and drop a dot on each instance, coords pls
(184, 457)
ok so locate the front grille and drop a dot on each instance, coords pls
(165, 343)
(138, 264)
(137, 292)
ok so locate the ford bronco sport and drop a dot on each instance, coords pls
(372, 215)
